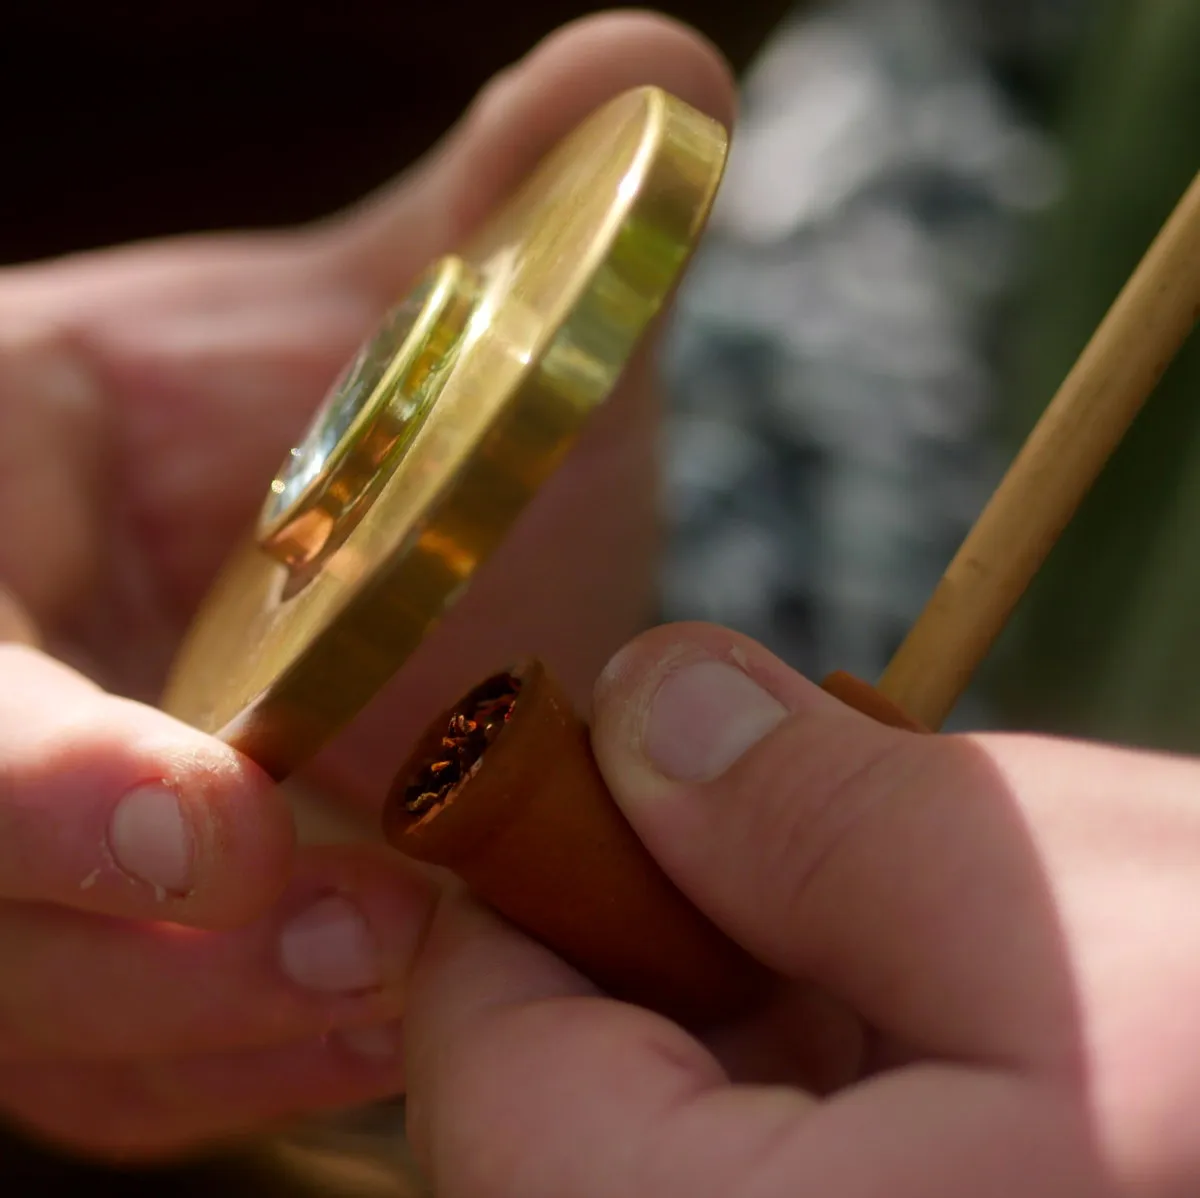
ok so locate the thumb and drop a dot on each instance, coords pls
(898, 871)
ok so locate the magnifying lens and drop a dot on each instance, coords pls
(441, 430)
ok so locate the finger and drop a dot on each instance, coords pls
(109, 806)
(137, 1112)
(489, 1012)
(516, 1088)
(334, 953)
(515, 121)
(911, 876)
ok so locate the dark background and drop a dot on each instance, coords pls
(123, 120)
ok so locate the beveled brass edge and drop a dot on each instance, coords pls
(448, 273)
(290, 720)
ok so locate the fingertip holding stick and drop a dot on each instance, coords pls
(503, 790)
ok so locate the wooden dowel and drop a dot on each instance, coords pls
(1084, 423)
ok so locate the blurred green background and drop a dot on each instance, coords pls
(1108, 641)
(930, 206)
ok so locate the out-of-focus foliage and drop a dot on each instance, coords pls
(930, 205)
(1108, 641)
(834, 370)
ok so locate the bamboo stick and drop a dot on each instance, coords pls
(1120, 367)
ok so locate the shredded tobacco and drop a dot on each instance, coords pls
(474, 724)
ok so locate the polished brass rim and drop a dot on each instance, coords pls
(562, 283)
(372, 412)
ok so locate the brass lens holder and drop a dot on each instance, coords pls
(448, 421)
(372, 413)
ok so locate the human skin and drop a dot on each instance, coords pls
(173, 967)
(1002, 930)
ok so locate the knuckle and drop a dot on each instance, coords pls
(823, 799)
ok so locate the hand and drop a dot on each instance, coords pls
(172, 969)
(1003, 929)
(148, 394)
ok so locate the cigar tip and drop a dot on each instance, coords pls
(452, 748)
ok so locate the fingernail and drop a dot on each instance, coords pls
(150, 839)
(329, 948)
(381, 1043)
(705, 716)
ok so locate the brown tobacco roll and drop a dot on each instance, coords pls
(503, 790)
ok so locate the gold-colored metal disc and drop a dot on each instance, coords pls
(466, 402)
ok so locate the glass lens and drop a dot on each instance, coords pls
(345, 400)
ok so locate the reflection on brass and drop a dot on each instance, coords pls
(370, 416)
(384, 511)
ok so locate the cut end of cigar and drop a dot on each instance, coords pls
(457, 745)
(503, 791)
